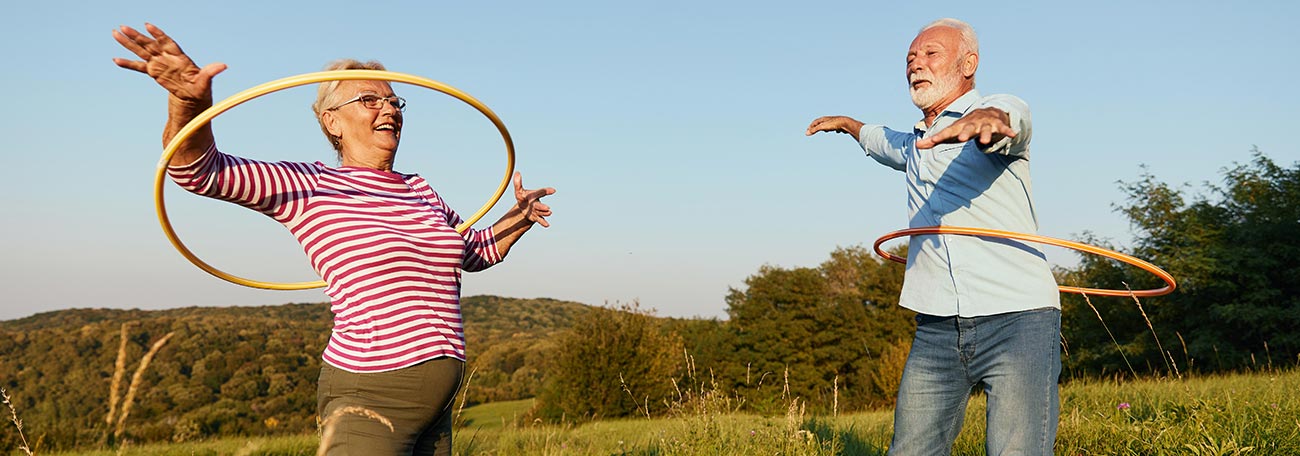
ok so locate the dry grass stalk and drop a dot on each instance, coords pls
(329, 424)
(835, 408)
(1163, 356)
(119, 371)
(627, 390)
(785, 390)
(135, 383)
(1112, 335)
(1186, 357)
(1268, 355)
(794, 417)
(1065, 345)
(464, 395)
(13, 416)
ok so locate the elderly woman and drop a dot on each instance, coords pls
(383, 241)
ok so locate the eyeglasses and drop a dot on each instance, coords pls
(372, 101)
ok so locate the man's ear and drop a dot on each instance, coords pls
(969, 64)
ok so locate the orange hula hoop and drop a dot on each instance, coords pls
(1170, 284)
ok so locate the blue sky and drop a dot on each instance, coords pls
(673, 131)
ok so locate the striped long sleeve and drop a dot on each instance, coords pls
(385, 243)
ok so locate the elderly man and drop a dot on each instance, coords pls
(988, 310)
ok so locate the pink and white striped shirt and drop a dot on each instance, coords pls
(384, 242)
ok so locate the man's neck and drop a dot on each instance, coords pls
(933, 112)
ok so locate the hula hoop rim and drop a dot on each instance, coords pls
(205, 118)
(1170, 283)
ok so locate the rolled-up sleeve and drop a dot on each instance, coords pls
(888, 147)
(480, 249)
(1020, 123)
(480, 245)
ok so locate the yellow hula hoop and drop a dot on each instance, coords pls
(294, 81)
(1170, 284)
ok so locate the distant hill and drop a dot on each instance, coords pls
(229, 370)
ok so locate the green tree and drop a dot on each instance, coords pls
(1234, 255)
(613, 362)
(816, 333)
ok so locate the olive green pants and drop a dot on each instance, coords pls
(356, 410)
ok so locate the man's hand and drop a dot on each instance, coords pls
(990, 125)
(838, 124)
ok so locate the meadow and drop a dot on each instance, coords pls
(1255, 413)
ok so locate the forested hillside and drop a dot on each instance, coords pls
(228, 370)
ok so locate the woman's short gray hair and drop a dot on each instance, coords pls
(968, 39)
(326, 97)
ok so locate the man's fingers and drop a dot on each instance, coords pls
(812, 127)
(1007, 131)
(966, 134)
(824, 123)
(930, 141)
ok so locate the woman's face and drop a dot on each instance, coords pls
(365, 131)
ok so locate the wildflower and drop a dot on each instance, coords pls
(1123, 406)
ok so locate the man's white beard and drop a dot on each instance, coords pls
(925, 98)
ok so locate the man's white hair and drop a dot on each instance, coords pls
(969, 42)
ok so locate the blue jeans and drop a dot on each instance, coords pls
(1015, 356)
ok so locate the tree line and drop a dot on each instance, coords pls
(834, 336)
(831, 336)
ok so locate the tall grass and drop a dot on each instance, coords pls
(13, 417)
(119, 371)
(116, 419)
(1255, 413)
(134, 389)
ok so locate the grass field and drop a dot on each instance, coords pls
(1255, 414)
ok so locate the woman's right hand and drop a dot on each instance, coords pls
(165, 62)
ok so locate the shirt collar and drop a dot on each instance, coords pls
(956, 109)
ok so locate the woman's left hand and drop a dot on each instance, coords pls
(530, 202)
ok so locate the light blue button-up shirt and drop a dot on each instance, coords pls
(968, 185)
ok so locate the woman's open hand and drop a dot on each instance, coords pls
(165, 62)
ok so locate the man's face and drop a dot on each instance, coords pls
(934, 67)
